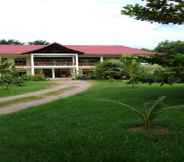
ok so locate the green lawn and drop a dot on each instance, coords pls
(29, 86)
(81, 129)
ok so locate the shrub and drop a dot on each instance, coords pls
(109, 69)
(34, 78)
(82, 76)
(157, 74)
(165, 76)
(9, 75)
(148, 74)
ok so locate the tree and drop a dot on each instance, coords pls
(171, 56)
(132, 69)
(11, 41)
(161, 11)
(109, 69)
(39, 42)
(171, 53)
(9, 75)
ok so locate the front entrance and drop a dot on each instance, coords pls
(62, 73)
(54, 73)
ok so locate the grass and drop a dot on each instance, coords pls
(81, 129)
(29, 86)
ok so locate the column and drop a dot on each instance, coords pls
(77, 63)
(73, 60)
(32, 65)
(53, 73)
(101, 59)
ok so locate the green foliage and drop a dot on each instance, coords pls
(171, 54)
(161, 11)
(150, 112)
(34, 78)
(9, 75)
(157, 74)
(81, 76)
(170, 47)
(132, 69)
(11, 78)
(109, 69)
(11, 41)
(39, 42)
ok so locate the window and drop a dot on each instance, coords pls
(20, 61)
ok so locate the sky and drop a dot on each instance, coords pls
(97, 22)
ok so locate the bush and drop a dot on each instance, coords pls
(11, 78)
(165, 76)
(34, 78)
(157, 74)
(9, 75)
(81, 76)
(109, 69)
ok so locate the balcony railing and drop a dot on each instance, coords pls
(62, 63)
(53, 63)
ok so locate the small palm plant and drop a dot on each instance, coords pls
(150, 112)
(131, 67)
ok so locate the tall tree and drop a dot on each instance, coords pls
(171, 53)
(39, 42)
(161, 11)
(10, 41)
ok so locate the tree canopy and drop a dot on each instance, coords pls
(171, 53)
(10, 41)
(170, 47)
(39, 42)
(161, 11)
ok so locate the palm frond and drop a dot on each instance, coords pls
(172, 108)
(155, 107)
(131, 108)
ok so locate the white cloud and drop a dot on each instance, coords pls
(79, 22)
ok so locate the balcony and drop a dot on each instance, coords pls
(88, 61)
(53, 62)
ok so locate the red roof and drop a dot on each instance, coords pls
(18, 49)
(109, 50)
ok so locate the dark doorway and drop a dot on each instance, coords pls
(62, 73)
(47, 73)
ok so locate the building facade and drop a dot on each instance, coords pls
(61, 61)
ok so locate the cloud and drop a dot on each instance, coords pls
(80, 22)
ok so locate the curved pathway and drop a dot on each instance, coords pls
(63, 89)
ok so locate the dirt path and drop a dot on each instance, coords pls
(64, 89)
